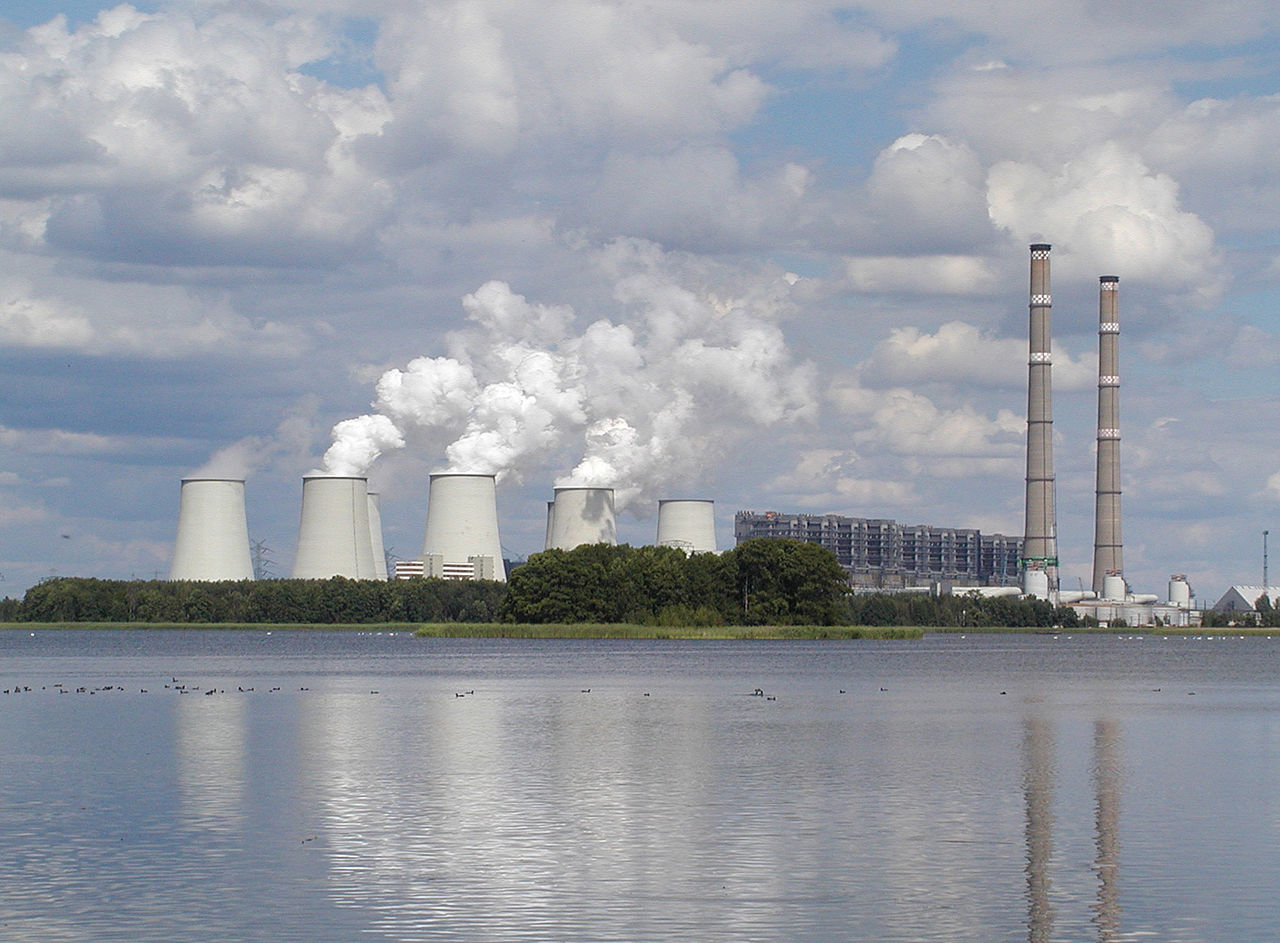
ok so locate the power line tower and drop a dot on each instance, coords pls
(263, 565)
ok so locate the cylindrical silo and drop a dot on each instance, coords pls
(1179, 591)
(462, 539)
(687, 524)
(1114, 588)
(213, 533)
(583, 516)
(1035, 583)
(334, 538)
(375, 536)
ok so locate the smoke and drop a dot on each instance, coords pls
(637, 404)
(240, 459)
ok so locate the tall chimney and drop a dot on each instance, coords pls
(1040, 535)
(213, 533)
(1108, 553)
(334, 538)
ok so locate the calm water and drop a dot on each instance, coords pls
(336, 787)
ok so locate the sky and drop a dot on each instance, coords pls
(770, 254)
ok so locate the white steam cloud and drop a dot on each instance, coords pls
(240, 459)
(637, 406)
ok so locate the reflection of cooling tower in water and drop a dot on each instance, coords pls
(213, 533)
(689, 525)
(334, 535)
(462, 539)
(375, 537)
(583, 516)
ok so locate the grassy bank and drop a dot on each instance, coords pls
(512, 630)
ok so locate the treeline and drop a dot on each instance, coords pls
(328, 602)
(759, 582)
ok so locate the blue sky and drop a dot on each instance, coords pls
(773, 254)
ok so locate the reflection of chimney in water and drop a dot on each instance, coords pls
(1037, 784)
(1106, 772)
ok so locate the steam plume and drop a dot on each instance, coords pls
(649, 402)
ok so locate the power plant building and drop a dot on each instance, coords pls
(883, 554)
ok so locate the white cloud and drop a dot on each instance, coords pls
(928, 274)
(959, 353)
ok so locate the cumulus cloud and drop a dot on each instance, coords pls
(905, 422)
(961, 354)
(1107, 210)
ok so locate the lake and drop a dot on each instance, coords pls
(370, 786)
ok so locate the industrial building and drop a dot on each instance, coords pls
(883, 554)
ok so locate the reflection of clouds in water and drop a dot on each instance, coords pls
(210, 753)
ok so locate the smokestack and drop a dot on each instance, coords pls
(1108, 553)
(583, 516)
(213, 533)
(334, 535)
(375, 537)
(1040, 536)
(462, 539)
(689, 525)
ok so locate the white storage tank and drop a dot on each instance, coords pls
(1179, 591)
(1113, 588)
(462, 539)
(1035, 582)
(687, 524)
(583, 516)
(213, 532)
(375, 536)
(334, 538)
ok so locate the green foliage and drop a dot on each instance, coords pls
(972, 610)
(760, 582)
(335, 601)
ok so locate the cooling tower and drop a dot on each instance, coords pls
(375, 536)
(1108, 554)
(213, 534)
(689, 525)
(334, 538)
(462, 528)
(1040, 536)
(583, 516)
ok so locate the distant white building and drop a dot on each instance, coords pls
(1244, 598)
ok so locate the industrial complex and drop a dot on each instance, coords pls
(340, 532)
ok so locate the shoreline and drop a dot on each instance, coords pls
(632, 631)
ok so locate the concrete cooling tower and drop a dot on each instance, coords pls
(213, 533)
(583, 516)
(334, 536)
(375, 537)
(462, 539)
(689, 525)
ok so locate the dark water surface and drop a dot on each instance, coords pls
(336, 787)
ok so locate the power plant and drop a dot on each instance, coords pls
(340, 530)
(688, 524)
(582, 516)
(462, 539)
(213, 532)
(334, 535)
